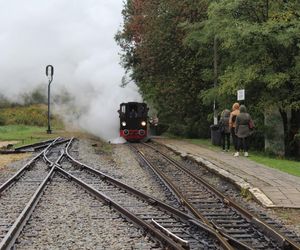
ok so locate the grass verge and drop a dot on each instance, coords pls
(26, 124)
(288, 166)
(24, 134)
(284, 165)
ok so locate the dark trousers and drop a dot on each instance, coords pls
(243, 144)
(225, 137)
(234, 139)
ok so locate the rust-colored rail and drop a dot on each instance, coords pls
(17, 175)
(15, 230)
(153, 201)
(283, 242)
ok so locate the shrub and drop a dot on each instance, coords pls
(2, 120)
(34, 115)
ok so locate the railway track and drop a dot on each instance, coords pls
(34, 147)
(68, 218)
(55, 170)
(19, 194)
(222, 184)
(28, 165)
(169, 225)
(52, 177)
(210, 206)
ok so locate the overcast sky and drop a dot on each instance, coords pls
(77, 38)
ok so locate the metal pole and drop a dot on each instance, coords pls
(49, 127)
(49, 73)
(215, 77)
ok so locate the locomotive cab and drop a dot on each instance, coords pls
(133, 121)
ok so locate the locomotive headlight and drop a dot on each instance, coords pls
(143, 123)
(123, 124)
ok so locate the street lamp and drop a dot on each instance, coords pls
(49, 74)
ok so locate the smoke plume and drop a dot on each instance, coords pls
(77, 38)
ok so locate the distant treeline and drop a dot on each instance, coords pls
(31, 108)
(36, 96)
(168, 50)
(31, 115)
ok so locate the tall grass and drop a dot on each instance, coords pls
(34, 115)
(26, 124)
(24, 134)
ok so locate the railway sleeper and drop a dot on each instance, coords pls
(210, 215)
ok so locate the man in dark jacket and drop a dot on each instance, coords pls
(224, 129)
(242, 130)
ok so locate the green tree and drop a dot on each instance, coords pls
(167, 72)
(259, 51)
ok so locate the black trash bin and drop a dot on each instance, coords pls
(153, 130)
(215, 135)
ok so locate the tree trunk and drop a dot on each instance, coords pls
(291, 128)
(274, 134)
(284, 117)
(294, 129)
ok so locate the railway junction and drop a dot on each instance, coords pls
(92, 95)
(72, 194)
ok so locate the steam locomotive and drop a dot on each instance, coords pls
(133, 121)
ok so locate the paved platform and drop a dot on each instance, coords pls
(270, 187)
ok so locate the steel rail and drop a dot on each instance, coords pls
(222, 237)
(166, 241)
(12, 235)
(26, 148)
(17, 175)
(15, 230)
(46, 151)
(56, 143)
(10, 152)
(184, 243)
(151, 200)
(167, 182)
(34, 145)
(283, 241)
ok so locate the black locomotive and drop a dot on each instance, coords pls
(133, 121)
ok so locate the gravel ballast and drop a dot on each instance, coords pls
(69, 218)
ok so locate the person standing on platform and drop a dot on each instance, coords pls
(232, 124)
(224, 129)
(244, 125)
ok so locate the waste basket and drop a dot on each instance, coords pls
(215, 135)
(153, 130)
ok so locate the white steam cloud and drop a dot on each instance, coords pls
(77, 38)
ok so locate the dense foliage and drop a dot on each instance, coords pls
(168, 52)
(166, 71)
(31, 115)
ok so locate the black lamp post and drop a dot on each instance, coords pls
(49, 74)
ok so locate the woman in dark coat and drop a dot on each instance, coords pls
(224, 129)
(243, 130)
